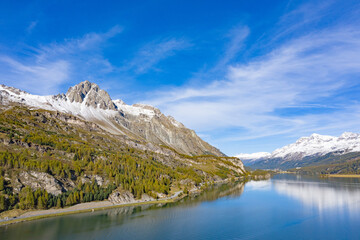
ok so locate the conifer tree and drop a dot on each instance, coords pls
(2, 184)
(3, 203)
(58, 203)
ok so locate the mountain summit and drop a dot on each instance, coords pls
(139, 121)
(304, 150)
(91, 94)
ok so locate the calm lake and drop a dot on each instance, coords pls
(284, 207)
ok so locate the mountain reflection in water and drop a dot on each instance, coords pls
(336, 194)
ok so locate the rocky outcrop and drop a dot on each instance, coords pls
(16, 184)
(119, 197)
(146, 198)
(41, 180)
(239, 166)
(91, 94)
(98, 179)
(4, 97)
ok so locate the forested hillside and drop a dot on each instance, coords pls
(51, 159)
(351, 166)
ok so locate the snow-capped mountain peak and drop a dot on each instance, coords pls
(140, 121)
(250, 156)
(314, 145)
(349, 135)
(91, 95)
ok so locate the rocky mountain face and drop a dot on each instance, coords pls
(91, 95)
(138, 122)
(306, 151)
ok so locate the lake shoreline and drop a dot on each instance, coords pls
(102, 205)
(342, 175)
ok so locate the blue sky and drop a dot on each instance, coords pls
(247, 76)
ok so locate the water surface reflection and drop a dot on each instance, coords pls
(323, 194)
(285, 207)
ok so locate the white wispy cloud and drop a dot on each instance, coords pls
(47, 67)
(237, 36)
(90, 41)
(152, 53)
(234, 44)
(31, 26)
(40, 77)
(302, 71)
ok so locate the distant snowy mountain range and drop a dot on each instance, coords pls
(304, 149)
